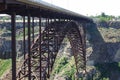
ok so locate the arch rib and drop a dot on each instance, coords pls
(51, 40)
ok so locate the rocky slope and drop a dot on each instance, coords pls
(103, 55)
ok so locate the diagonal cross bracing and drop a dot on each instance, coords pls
(51, 39)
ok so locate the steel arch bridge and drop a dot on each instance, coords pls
(44, 51)
(39, 59)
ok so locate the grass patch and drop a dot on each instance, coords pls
(4, 65)
(65, 67)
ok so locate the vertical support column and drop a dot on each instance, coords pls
(54, 45)
(24, 42)
(40, 47)
(29, 51)
(59, 20)
(57, 39)
(48, 49)
(67, 20)
(52, 51)
(13, 25)
(33, 29)
(64, 19)
(24, 46)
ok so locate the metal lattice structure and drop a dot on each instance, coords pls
(45, 49)
(42, 50)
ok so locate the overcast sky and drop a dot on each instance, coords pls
(90, 7)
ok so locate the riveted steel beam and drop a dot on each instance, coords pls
(29, 48)
(13, 24)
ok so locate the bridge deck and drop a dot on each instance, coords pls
(35, 7)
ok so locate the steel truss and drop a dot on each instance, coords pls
(41, 55)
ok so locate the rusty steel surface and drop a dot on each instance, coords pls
(45, 48)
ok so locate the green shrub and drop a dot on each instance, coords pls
(4, 65)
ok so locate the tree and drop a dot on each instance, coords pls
(103, 14)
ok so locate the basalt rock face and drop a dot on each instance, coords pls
(5, 48)
(19, 25)
(107, 24)
(5, 40)
(103, 51)
(103, 42)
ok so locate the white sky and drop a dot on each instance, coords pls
(90, 7)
